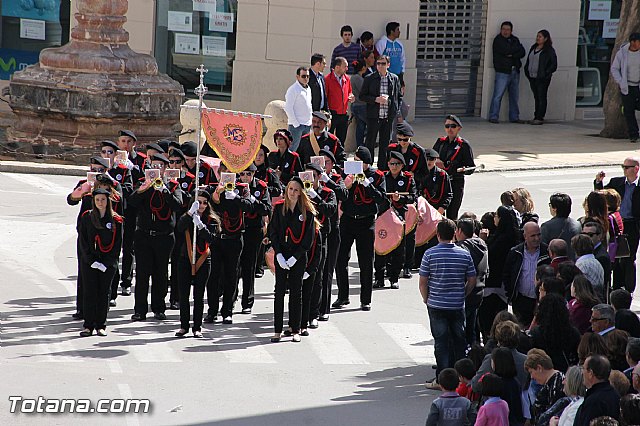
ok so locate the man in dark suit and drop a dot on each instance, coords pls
(625, 274)
(317, 83)
(381, 92)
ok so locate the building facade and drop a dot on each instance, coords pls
(252, 47)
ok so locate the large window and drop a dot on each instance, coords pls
(27, 27)
(598, 28)
(194, 32)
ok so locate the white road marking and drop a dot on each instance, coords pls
(250, 349)
(333, 347)
(125, 393)
(412, 339)
(42, 183)
(65, 348)
(114, 366)
(155, 353)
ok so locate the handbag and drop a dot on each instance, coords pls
(619, 247)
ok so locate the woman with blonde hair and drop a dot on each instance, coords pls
(574, 389)
(291, 232)
(596, 210)
(523, 204)
(540, 367)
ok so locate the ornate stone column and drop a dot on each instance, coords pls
(92, 87)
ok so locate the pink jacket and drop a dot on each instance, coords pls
(494, 412)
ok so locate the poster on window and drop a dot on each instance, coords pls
(599, 10)
(221, 21)
(32, 29)
(187, 43)
(214, 46)
(610, 28)
(180, 21)
(43, 10)
(204, 6)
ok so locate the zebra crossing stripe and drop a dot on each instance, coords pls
(333, 347)
(414, 339)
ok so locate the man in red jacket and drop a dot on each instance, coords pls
(339, 96)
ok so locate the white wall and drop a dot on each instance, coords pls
(561, 19)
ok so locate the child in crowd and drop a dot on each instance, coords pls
(495, 411)
(450, 409)
(466, 371)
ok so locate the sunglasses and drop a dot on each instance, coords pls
(627, 167)
(450, 126)
(244, 173)
(395, 163)
(107, 151)
(175, 161)
(404, 139)
(304, 75)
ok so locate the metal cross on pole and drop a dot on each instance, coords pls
(201, 90)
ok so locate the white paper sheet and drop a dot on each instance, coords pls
(180, 21)
(214, 46)
(32, 29)
(221, 21)
(353, 167)
(187, 43)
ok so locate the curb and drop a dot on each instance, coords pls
(550, 167)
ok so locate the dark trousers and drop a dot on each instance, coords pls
(333, 245)
(624, 270)
(113, 291)
(317, 289)
(95, 298)
(223, 280)
(489, 308)
(471, 331)
(79, 287)
(523, 309)
(447, 328)
(307, 291)
(128, 238)
(631, 103)
(419, 251)
(248, 259)
(152, 262)
(381, 127)
(289, 279)
(362, 232)
(409, 249)
(539, 87)
(199, 282)
(395, 259)
(260, 259)
(457, 187)
(174, 280)
(339, 125)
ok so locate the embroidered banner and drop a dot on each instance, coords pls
(236, 138)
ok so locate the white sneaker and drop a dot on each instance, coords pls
(433, 385)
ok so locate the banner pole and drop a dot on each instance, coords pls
(201, 90)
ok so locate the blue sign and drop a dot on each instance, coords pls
(15, 60)
(44, 10)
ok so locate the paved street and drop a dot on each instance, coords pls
(358, 368)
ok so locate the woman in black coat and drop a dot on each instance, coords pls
(541, 64)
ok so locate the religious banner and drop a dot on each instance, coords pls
(235, 137)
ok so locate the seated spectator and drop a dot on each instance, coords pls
(567, 407)
(560, 226)
(466, 370)
(495, 411)
(450, 408)
(588, 264)
(617, 342)
(632, 354)
(524, 343)
(620, 299)
(504, 366)
(619, 382)
(507, 336)
(591, 344)
(628, 321)
(584, 299)
(601, 398)
(554, 333)
(630, 409)
(540, 367)
(558, 253)
(603, 319)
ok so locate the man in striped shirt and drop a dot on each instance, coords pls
(347, 49)
(447, 275)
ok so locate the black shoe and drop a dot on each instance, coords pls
(313, 324)
(633, 140)
(113, 303)
(174, 306)
(287, 333)
(160, 316)
(126, 291)
(394, 285)
(209, 319)
(518, 121)
(340, 303)
(78, 316)
(406, 273)
(227, 320)
(494, 121)
(246, 310)
(324, 317)
(259, 274)
(181, 332)
(365, 307)
(378, 284)
(304, 333)
(86, 332)
(138, 317)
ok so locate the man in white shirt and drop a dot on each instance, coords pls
(625, 70)
(298, 107)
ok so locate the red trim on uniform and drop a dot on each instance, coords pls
(295, 240)
(155, 209)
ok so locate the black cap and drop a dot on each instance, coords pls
(154, 145)
(329, 154)
(175, 152)
(398, 156)
(405, 129)
(174, 144)
(634, 37)
(164, 144)
(160, 157)
(101, 191)
(251, 168)
(321, 115)
(266, 150)
(189, 149)
(284, 133)
(315, 167)
(432, 153)
(100, 161)
(105, 179)
(454, 118)
(364, 154)
(128, 133)
(111, 144)
(297, 179)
